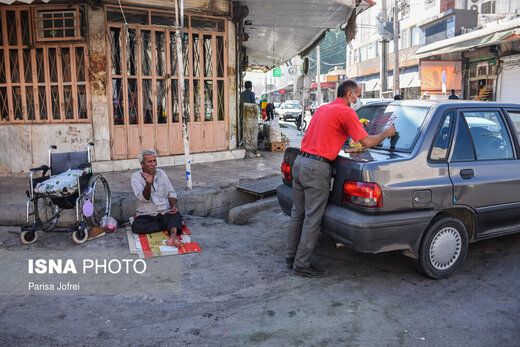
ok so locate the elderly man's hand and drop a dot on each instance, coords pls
(148, 178)
(174, 209)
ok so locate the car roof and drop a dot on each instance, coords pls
(442, 103)
(459, 103)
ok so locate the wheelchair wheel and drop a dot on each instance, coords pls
(28, 237)
(76, 236)
(100, 198)
(46, 213)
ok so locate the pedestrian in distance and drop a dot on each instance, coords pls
(156, 200)
(425, 96)
(269, 109)
(453, 96)
(248, 95)
(328, 130)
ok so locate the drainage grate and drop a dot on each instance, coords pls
(261, 188)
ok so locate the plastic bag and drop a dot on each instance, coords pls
(109, 223)
(275, 134)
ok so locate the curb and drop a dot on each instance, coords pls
(202, 201)
(240, 215)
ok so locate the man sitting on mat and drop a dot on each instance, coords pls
(156, 200)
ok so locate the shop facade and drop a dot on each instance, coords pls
(71, 73)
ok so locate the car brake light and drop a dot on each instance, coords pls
(363, 194)
(286, 169)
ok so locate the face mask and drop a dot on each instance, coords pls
(355, 106)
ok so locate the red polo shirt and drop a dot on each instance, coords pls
(330, 127)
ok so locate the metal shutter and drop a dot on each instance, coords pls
(509, 90)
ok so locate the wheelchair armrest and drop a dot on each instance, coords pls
(43, 168)
(84, 166)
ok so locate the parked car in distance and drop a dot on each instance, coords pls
(289, 110)
(450, 176)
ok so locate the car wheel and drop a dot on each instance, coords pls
(443, 248)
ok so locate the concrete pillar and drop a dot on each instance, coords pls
(250, 129)
(99, 83)
(232, 84)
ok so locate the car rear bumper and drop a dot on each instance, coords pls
(368, 233)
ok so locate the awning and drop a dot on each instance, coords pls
(407, 80)
(279, 30)
(371, 85)
(490, 35)
(9, 2)
(323, 85)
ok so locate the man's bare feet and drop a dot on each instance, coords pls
(174, 241)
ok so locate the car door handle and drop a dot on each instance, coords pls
(467, 173)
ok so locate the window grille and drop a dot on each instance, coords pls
(59, 24)
(40, 83)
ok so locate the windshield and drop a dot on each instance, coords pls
(292, 106)
(408, 121)
(370, 112)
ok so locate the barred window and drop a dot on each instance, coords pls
(40, 83)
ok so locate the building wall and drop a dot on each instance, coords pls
(232, 83)
(98, 80)
(25, 145)
(214, 7)
(407, 58)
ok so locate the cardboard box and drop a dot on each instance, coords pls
(277, 146)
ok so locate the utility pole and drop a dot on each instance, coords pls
(397, 90)
(185, 112)
(318, 84)
(383, 68)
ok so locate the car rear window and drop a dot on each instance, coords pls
(408, 121)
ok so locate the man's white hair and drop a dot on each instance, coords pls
(146, 152)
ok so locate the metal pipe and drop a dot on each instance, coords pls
(27, 211)
(31, 184)
(179, 31)
(397, 89)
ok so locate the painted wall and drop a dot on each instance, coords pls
(232, 83)
(26, 146)
(97, 75)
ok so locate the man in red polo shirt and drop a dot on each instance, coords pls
(328, 130)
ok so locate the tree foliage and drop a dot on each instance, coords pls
(332, 52)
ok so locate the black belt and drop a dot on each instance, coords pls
(315, 157)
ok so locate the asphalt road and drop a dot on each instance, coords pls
(237, 292)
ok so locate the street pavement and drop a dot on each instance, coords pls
(237, 292)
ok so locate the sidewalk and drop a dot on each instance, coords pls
(213, 193)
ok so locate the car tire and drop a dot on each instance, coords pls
(443, 248)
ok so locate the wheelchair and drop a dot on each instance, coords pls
(46, 208)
